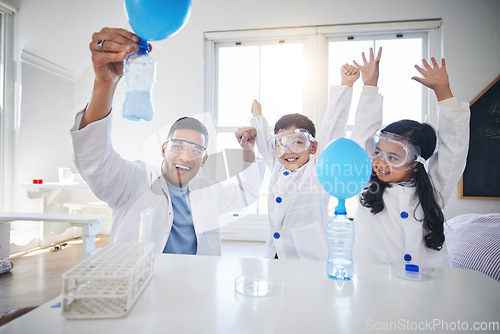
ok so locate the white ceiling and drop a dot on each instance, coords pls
(59, 41)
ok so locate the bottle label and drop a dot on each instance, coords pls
(139, 72)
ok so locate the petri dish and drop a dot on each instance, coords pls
(259, 285)
(412, 272)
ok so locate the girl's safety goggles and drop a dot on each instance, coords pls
(298, 142)
(397, 151)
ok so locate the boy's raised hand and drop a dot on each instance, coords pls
(256, 109)
(370, 69)
(436, 78)
(349, 74)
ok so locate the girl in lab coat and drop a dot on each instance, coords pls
(298, 205)
(400, 218)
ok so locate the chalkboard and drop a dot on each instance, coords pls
(481, 178)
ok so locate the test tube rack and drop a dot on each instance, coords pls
(107, 284)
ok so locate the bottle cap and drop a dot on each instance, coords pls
(143, 47)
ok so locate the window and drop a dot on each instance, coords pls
(402, 96)
(6, 105)
(271, 72)
(289, 70)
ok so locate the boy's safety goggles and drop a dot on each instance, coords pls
(298, 142)
(397, 151)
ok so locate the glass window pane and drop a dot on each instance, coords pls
(402, 96)
(238, 76)
(226, 140)
(282, 80)
(343, 52)
(272, 74)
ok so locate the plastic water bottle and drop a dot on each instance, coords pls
(139, 72)
(340, 239)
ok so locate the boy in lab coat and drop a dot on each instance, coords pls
(298, 205)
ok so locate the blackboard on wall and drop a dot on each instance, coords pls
(481, 178)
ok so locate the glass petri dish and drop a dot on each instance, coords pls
(411, 272)
(258, 285)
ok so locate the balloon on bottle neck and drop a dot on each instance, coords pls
(344, 169)
(151, 20)
(155, 20)
(340, 208)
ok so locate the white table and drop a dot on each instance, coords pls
(49, 191)
(195, 294)
(90, 224)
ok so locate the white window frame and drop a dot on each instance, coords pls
(7, 104)
(433, 48)
(385, 36)
(316, 56)
(219, 45)
(316, 43)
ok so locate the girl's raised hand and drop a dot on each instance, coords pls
(436, 78)
(370, 69)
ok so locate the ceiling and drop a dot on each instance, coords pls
(60, 40)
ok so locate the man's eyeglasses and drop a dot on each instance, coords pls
(178, 146)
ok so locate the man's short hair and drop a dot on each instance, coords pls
(298, 120)
(191, 124)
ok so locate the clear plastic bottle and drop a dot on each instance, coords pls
(340, 240)
(139, 73)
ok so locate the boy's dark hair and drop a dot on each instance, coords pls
(188, 123)
(298, 120)
(421, 134)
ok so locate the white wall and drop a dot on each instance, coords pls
(42, 144)
(471, 44)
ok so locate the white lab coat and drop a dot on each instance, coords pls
(388, 235)
(298, 205)
(129, 188)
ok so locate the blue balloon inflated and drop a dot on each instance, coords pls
(154, 20)
(344, 168)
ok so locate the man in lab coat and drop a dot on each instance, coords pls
(182, 208)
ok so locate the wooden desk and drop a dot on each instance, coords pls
(195, 294)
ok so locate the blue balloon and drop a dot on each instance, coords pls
(154, 20)
(344, 169)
